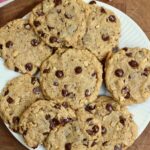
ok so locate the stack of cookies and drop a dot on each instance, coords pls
(64, 51)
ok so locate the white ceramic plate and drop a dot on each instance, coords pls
(131, 36)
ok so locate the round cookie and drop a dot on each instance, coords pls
(60, 23)
(118, 129)
(71, 75)
(41, 118)
(83, 134)
(102, 31)
(129, 71)
(16, 97)
(21, 49)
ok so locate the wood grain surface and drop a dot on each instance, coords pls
(139, 10)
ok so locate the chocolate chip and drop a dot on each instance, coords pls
(16, 120)
(25, 132)
(41, 33)
(89, 107)
(50, 28)
(35, 42)
(34, 80)
(146, 71)
(57, 2)
(55, 83)
(115, 49)
(109, 107)
(65, 93)
(119, 73)
(85, 142)
(46, 133)
(129, 54)
(93, 131)
(65, 121)
(112, 18)
(46, 70)
(68, 16)
(54, 49)
(9, 44)
(92, 2)
(27, 26)
(53, 39)
(105, 37)
(103, 10)
(65, 105)
(1, 46)
(40, 13)
(89, 119)
(104, 130)
(134, 64)
(57, 106)
(37, 90)
(59, 73)
(47, 117)
(16, 69)
(78, 70)
(122, 120)
(117, 147)
(93, 143)
(87, 93)
(29, 67)
(125, 49)
(36, 23)
(126, 92)
(10, 100)
(68, 146)
(54, 123)
(105, 143)
(6, 92)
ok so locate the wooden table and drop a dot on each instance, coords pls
(137, 9)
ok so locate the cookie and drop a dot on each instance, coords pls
(102, 31)
(16, 97)
(41, 118)
(71, 75)
(129, 70)
(118, 129)
(21, 49)
(83, 134)
(60, 23)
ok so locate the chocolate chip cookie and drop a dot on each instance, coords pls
(118, 129)
(102, 31)
(60, 23)
(41, 118)
(21, 49)
(71, 75)
(16, 97)
(83, 134)
(129, 71)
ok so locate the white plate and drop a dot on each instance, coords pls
(131, 36)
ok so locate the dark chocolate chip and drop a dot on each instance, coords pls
(35, 42)
(55, 83)
(36, 23)
(117, 147)
(57, 2)
(64, 93)
(122, 120)
(85, 142)
(6, 92)
(59, 73)
(46, 70)
(78, 70)
(109, 107)
(68, 16)
(93, 143)
(87, 93)
(9, 44)
(16, 120)
(103, 10)
(54, 123)
(1, 46)
(65, 121)
(129, 54)
(134, 64)
(92, 2)
(93, 131)
(126, 92)
(41, 33)
(57, 106)
(105, 37)
(125, 49)
(37, 90)
(34, 80)
(89, 107)
(68, 146)
(65, 105)
(16, 69)
(27, 26)
(50, 28)
(115, 49)
(46, 133)
(53, 39)
(146, 71)
(10, 100)
(40, 13)
(103, 130)
(89, 119)
(119, 73)
(112, 18)
(29, 67)
(105, 143)
(47, 117)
